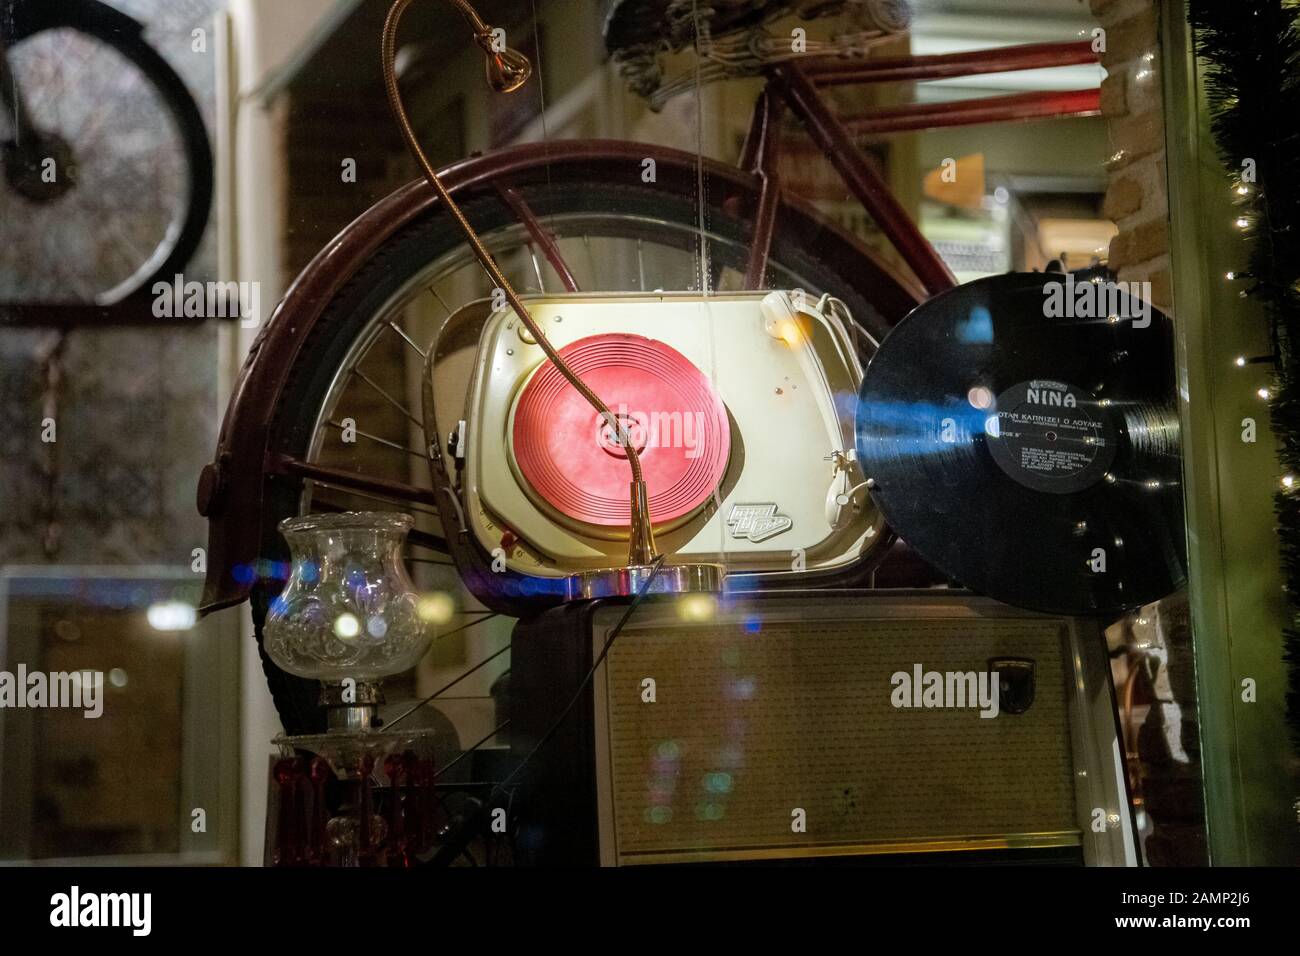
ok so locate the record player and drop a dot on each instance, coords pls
(740, 405)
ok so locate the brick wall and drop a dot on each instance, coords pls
(1136, 193)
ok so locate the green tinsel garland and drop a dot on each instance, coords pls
(1251, 53)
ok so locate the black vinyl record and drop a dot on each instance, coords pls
(1019, 432)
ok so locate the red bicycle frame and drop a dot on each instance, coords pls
(796, 86)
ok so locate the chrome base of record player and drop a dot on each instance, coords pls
(630, 581)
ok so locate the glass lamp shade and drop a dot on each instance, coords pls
(349, 608)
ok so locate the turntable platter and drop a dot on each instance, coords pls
(572, 460)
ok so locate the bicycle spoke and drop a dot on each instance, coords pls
(435, 294)
(537, 270)
(407, 339)
(115, 226)
(388, 398)
(415, 537)
(382, 441)
(469, 750)
(60, 85)
(434, 696)
(591, 259)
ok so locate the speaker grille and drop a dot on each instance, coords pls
(752, 722)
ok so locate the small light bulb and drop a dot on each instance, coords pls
(1263, 393)
(1230, 276)
(1242, 222)
(1288, 481)
(1243, 190)
(1240, 361)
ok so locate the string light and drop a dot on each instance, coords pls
(1288, 482)
(1241, 361)
(1264, 394)
(1242, 222)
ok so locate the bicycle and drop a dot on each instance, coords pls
(565, 215)
(101, 141)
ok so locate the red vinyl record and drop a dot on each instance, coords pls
(674, 418)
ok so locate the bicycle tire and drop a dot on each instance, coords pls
(347, 315)
(126, 36)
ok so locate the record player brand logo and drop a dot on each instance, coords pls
(757, 522)
(950, 689)
(1057, 394)
(1098, 298)
(652, 430)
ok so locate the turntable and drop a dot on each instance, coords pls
(739, 405)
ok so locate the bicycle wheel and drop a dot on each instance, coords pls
(615, 237)
(114, 189)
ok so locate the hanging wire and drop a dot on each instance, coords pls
(541, 93)
(701, 44)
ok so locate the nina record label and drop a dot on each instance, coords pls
(1027, 451)
(1047, 436)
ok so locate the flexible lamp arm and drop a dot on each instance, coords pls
(507, 71)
